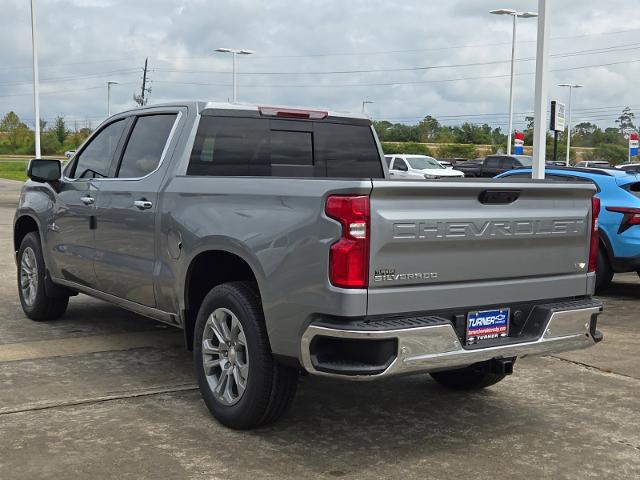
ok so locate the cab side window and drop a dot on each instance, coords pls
(95, 159)
(400, 164)
(493, 162)
(509, 163)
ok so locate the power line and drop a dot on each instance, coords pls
(626, 47)
(385, 52)
(75, 77)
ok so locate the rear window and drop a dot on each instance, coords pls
(633, 188)
(230, 146)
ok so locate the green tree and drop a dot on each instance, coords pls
(428, 129)
(408, 148)
(16, 131)
(60, 129)
(381, 128)
(472, 133)
(612, 153)
(625, 121)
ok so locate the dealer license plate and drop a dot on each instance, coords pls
(487, 325)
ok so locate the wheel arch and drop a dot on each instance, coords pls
(207, 269)
(23, 225)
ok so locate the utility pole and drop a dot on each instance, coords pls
(141, 99)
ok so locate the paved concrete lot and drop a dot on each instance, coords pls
(103, 393)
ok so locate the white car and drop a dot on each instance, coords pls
(629, 167)
(418, 166)
(69, 153)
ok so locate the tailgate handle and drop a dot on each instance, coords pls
(498, 197)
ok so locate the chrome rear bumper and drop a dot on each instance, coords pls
(438, 347)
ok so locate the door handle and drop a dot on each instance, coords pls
(87, 200)
(143, 204)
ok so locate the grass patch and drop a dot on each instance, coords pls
(13, 170)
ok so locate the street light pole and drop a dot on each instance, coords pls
(515, 14)
(109, 83)
(570, 86)
(364, 104)
(541, 95)
(234, 53)
(36, 81)
(513, 66)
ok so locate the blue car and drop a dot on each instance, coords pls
(619, 220)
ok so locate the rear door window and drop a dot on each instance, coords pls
(145, 146)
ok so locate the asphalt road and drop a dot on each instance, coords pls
(103, 393)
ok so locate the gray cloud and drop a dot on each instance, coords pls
(83, 43)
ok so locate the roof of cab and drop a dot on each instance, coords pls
(202, 106)
(256, 108)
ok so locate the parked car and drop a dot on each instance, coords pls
(619, 220)
(494, 165)
(629, 167)
(593, 164)
(274, 238)
(69, 153)
(556, 163)
(418, 167)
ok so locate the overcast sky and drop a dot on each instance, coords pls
(84, 43)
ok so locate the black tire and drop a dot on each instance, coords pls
(40, 306)
(604, 272)
(269, 386)
(474, 377)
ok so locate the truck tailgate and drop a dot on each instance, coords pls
(449, 244)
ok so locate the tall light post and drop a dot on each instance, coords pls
(109, 83)
(515, 14)
(364, 105)
(36, 80)
(234, 53)
(541, 95)
(570, 86)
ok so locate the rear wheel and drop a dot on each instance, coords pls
(242, 384)
(604, 272)
(474, 377)
(36, 304)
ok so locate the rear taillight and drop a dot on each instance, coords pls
(349, 256)
(595, 236)
(631, 216)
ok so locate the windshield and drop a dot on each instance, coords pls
(422, 163)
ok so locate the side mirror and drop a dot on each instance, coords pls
(44, 171)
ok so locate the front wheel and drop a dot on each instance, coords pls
(474, 377)
(36, 304)
(241, 383)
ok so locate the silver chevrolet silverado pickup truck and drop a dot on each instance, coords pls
(275, 239)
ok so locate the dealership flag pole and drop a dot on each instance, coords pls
(36, 85)
(540, 116)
